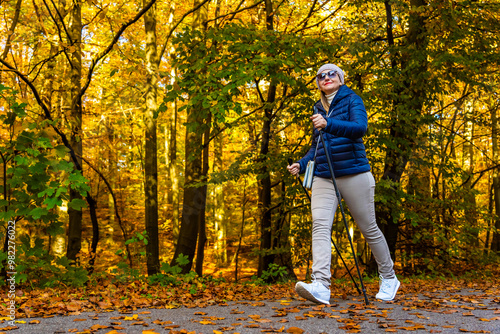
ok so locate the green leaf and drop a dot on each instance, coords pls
(61, 151)
(37, 213)
(46, 192)
(77, 204)
(52, 202)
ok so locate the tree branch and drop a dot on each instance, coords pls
(238, 10)
(46, 112)
(110, 47)
(175, 27)
(124, 232)
(323, 20)
(15, 20)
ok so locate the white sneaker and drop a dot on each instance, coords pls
(315, 292)
(388, 288)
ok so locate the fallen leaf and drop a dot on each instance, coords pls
(226, 328)
(293, 310)
(134, 317)
(142, 323)
(96, 327)
(295, 330)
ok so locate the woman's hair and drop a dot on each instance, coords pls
(324, 101)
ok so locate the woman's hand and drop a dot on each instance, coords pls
(294, 168)
(319, 121)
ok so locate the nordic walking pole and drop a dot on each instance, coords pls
(290, 162)
(339, 199)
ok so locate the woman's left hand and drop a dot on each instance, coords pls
(319, 121)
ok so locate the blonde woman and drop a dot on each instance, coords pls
(341, 115)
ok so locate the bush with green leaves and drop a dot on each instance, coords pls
(37, 178)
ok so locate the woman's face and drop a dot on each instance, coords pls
(330, 83)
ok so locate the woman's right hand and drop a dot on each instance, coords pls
(294, 168)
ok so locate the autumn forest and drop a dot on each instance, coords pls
(151, 139)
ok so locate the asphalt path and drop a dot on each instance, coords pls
(462, 311)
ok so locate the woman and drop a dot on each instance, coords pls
(341, 115)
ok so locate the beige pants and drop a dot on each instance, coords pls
(358, 192)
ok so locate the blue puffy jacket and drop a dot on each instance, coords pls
(343, 134)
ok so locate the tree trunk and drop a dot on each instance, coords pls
(265, 258)
(470, 228)
(405, 112)
(244, 201)
(220, 224)
(151, 163)
(193, 206)
(75, 33)
(282, 238)
(193, 203)
(202, 232)
(495, 240)
(172, 177)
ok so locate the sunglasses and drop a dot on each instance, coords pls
(322, 76)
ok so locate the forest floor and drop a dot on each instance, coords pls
(465, 304)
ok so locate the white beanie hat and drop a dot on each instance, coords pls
(331, 67)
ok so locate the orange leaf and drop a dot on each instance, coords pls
(96, 327)
(295, 330)
(171, 326)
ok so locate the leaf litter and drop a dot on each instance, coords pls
(420, 298)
